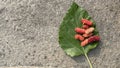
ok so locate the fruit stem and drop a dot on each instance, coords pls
(88, 61)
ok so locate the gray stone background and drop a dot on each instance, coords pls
(29, 33)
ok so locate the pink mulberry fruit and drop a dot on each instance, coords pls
(85, 42)
(80, 30)
(85, 26)
(90, 40)
(93, 39)
(79, 37)
(86, 22)
(89, 30)
(87, 35)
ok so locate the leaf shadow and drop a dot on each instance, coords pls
(79, 59)
(93, 53)
(96, 52)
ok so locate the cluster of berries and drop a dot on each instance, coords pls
(85, 34)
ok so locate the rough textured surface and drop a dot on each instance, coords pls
(24, 67)
(29, 33)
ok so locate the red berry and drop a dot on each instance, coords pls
(87, 35)
(85, 42)
(89, 30)
(79, 37)
(90, 40)
(80, 30)
(93, 39)
(85, 26)
(76, 36)
(86, 22)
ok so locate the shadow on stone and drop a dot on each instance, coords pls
(93, 53)
(96, 52)
(79, 59)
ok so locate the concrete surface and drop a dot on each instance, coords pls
(24, 67)
(29, 33)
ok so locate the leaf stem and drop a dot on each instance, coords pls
(88, 60)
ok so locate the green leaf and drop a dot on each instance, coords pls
(66, 31)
